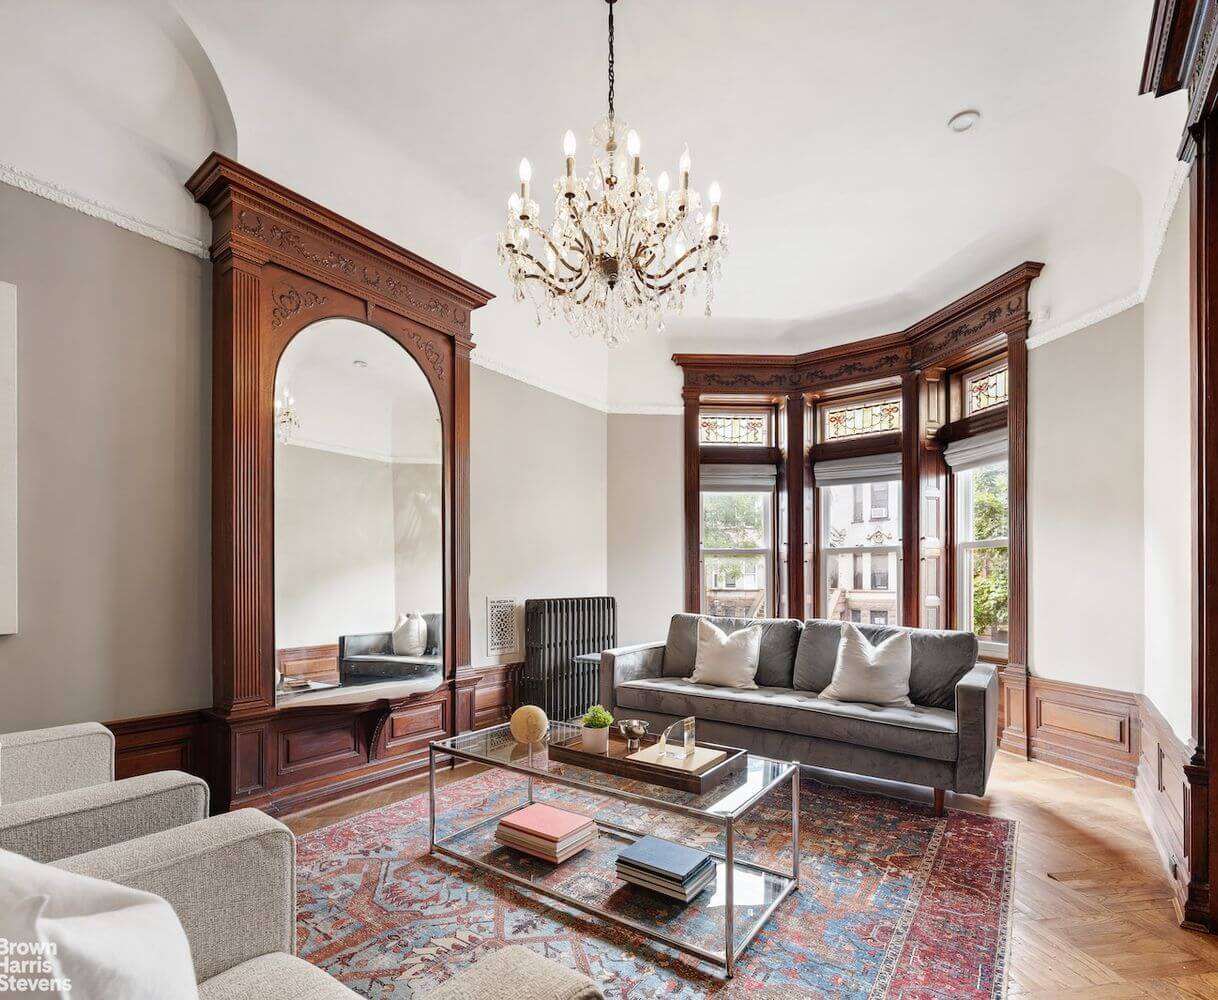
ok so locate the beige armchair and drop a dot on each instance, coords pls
(231, 880)
(58, 796)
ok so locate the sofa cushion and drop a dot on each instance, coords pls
(938, 659)
(917, 731)
(278, 976)
(775, 664)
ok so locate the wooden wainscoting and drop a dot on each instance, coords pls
(495, 696)
(172, 742)
(318, 663)
(1161, 793)
(1087, 729)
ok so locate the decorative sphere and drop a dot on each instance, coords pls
(529, 724)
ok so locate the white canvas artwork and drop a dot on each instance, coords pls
(8, 458)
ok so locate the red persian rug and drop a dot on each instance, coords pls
(893, 903)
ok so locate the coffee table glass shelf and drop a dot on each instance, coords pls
(718, 924)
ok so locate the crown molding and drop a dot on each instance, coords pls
(71, 199)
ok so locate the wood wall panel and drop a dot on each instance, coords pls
(1088, 729)
(159, 743)
(319, 663)
(1161, 791)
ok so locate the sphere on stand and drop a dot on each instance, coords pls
(529, 724)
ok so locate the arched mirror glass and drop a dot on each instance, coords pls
(359, 570)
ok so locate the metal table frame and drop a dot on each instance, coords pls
(731, 952)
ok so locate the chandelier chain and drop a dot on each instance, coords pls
(611, 2)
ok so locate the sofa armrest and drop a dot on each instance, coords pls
(628, 663)
(231, 880)
(977, 727)
(46, 761)
(57, 826)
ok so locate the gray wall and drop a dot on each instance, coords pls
(646, 523)
(537, 498)
(1167, 476)
(114, 470)
(1085, 505)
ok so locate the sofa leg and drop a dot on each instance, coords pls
(938, 802)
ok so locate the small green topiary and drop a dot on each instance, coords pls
(597, 718)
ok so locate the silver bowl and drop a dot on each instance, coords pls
(633, 730)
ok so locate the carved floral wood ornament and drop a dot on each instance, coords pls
(280, 264)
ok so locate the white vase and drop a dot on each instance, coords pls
(595, 740)
(410, 635)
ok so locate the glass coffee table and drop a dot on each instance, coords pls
(718, 924)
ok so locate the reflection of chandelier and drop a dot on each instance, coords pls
(286, 421)
(622, 251)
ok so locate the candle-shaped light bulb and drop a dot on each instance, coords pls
(632, 143)
(632, 147)
(568, 143)
(684, 167)
(713, 194)
(514, 204)
(526, 174)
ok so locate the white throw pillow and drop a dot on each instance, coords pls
(726, 660)
(100, 940)
(877, 675)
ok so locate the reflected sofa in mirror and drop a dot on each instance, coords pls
(359, 577)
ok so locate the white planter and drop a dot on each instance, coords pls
(595, 740)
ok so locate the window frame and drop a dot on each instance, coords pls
(765, 550)
(965, 546)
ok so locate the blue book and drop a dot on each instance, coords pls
(672, 862)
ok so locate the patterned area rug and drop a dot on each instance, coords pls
(892, 902)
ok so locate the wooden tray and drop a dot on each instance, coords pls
(571, 751)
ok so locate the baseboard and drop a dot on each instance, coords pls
(1160, 793)
(1093, 731)
(172, 742)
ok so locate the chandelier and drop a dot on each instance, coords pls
(286, 421)
(622, 251)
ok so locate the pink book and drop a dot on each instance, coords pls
(545, 822)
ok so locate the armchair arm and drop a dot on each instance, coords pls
(977, 727)
(57, 826)
(231, 880)
(46, 761)
(628, 663)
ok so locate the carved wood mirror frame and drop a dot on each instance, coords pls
(281, 263)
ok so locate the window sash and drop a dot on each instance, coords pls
(764, 551)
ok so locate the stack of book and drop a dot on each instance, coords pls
(546, 832)
(665, 867)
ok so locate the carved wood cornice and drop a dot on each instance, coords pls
(1182, 54)
(999, 307)
(255, 218)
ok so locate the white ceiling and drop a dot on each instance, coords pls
(854, 209)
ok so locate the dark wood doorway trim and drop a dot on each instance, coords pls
(1182, 54)
(991, 319)
(281, 263)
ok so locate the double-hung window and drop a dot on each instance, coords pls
(982, 511)
(860, 558)
(737, 549)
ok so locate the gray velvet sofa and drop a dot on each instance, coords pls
(946, 741)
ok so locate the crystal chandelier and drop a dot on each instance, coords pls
(622, 251)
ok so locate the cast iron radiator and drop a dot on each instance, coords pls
(556, 630)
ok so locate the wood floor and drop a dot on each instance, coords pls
(1093, 912)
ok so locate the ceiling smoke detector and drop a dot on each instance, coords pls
(962, 121)
(360, 364)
